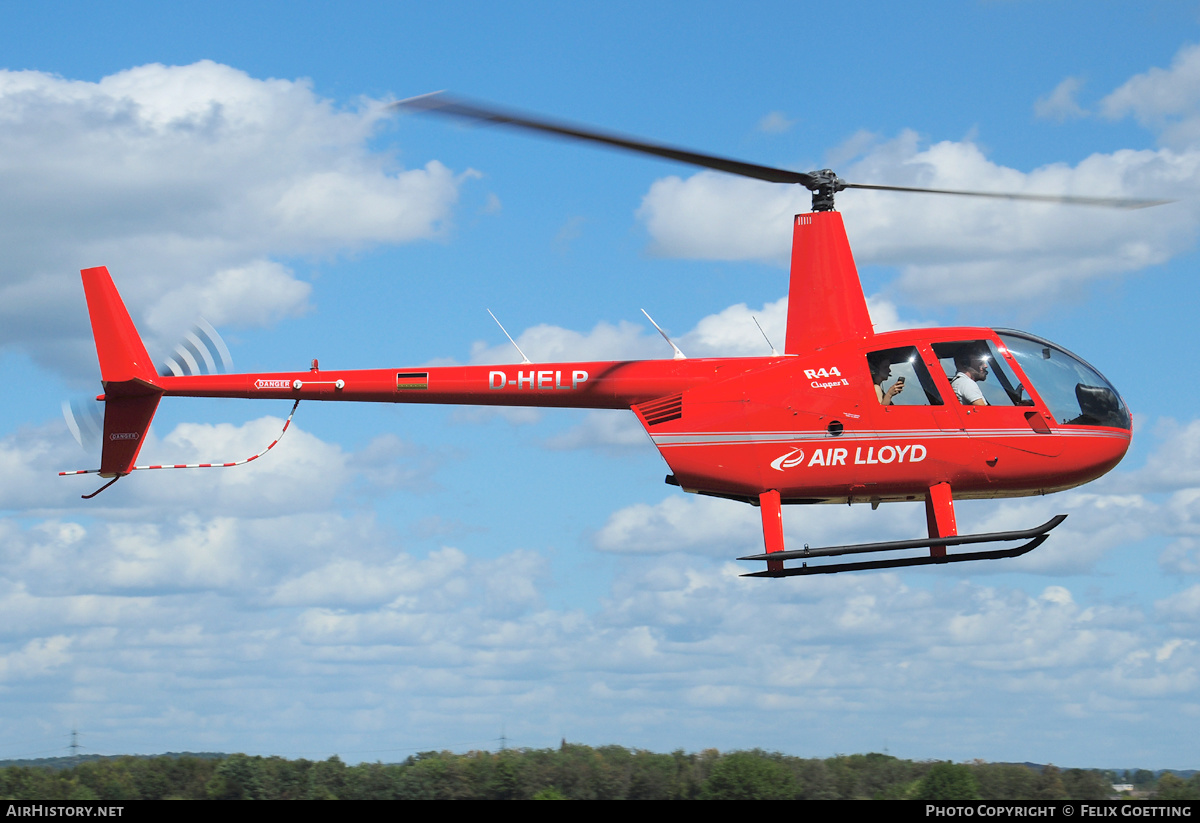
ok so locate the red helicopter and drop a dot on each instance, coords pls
(844, 415)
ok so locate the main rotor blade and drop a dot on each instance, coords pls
(1106, 202)
(445, 104)
(442, 103)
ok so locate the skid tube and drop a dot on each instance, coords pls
(1036, 536)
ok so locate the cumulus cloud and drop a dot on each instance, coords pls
(950, 249)
(953, 250)
(1181, 556)
(730, 332)
(1166, 100)
(1175, 462)
(1099, 523)
(610, 431)
(545, 343)
(36, 657)
(443, 642)
(775, 122)
(185, 181)
(1061, 104)
(724, 528)
(303, 473)
(256, 294)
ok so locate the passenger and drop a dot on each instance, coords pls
(972, 369)
(881, 370)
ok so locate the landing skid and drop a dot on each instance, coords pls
(1036, 536)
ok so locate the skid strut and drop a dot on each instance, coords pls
(1036, 536)
(943, 533)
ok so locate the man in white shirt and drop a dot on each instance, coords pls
(972, 369)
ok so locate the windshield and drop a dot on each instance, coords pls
(1075, 393)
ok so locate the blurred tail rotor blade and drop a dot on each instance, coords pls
(202, 351)
(85, 419)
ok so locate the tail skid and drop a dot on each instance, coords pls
(227, 465)
(132, 387)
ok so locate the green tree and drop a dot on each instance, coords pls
(1005, 781)
(948, 781)
(1049, 785)
(749, 775)
(237, 778)
(1173, 787)
(1085, 784)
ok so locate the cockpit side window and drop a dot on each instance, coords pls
(978, 374)
(901, 379)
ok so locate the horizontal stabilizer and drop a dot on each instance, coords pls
(126, 422)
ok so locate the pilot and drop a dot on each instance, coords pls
(972, 370)
(881, 370)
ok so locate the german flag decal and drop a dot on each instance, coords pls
(412, 381)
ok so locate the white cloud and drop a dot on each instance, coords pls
(1061, 104)
(728, 333)
(718, 527)
(545, 344)
(611, 431)
(726, 529)
(1175, 462)
(1096, 525)
(36, 657)
(1181, 556)
(950, 249)
(732, 333)
(301, 474)
(721, 217)
(775, 122)
(441, 643)
(348, 582)
(1167, 100)
(253, 295)
(185, 180)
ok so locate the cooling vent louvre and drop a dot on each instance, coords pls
(662, 410)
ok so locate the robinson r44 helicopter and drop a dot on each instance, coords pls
(844, 415)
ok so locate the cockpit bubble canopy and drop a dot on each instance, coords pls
(1075, 393)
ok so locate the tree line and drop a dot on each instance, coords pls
(574, 772)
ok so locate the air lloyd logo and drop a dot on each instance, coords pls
(912, 453)
(538, 380)
(124, 436)
(272, 384)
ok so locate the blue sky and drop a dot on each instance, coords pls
(396, 579)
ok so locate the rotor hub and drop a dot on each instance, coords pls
(824, 184)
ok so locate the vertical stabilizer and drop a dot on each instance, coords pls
(825, 298)
(130, 392)
(122, 355)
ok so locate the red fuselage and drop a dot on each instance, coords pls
(810, 426)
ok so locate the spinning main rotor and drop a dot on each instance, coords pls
(823, 184)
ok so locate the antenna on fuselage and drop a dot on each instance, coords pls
(678, 354)
(774, 351)
(524, 359)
